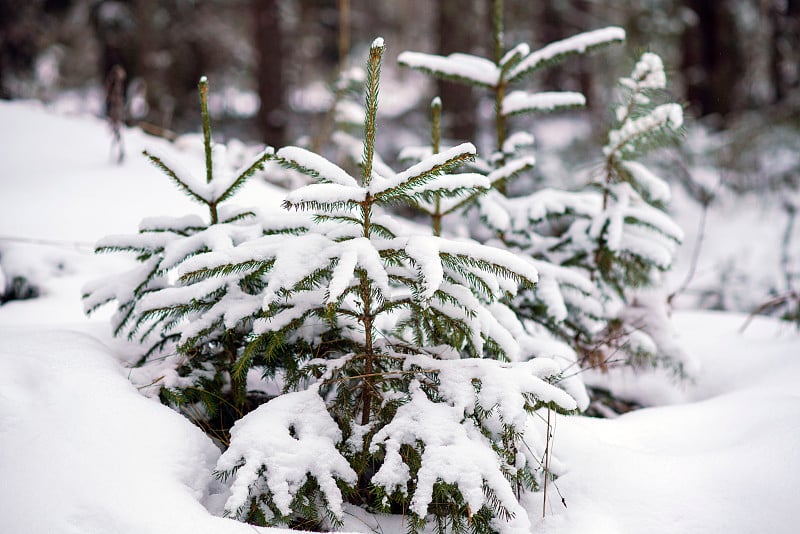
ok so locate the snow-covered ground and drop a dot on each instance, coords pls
(81, 451)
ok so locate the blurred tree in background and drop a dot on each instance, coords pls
(730, 56)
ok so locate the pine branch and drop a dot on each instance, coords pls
(257, 165)
(521, 102)
(373, 80)
(202, 89)
(313, 166)
(155, 160)
(421, 173)
(461, 68)
(558, 51)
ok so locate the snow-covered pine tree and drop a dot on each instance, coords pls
(507, 69)
(566, 302)
(632, 239)
(613, 233)
(193, 360)
(585, 295)
(390, 401)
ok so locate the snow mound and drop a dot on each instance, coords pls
(83, 452)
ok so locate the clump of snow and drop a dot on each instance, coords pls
(664, 116)
(454, 453)
(648, 73)
(284, 442)
(522, 101)
(575, 44)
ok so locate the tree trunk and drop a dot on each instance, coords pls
(784, 48)
(713, 64)
(269, 49)
(457, 33)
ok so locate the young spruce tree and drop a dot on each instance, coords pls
(566, 303)
(192, 359)
(627, 240)
(587, 292)
(390, 401)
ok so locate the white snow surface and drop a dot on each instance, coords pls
(81, 451)
(84, 452)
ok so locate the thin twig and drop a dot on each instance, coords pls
(791, 211)
(546, 464)
(771, 303)
(701, 232)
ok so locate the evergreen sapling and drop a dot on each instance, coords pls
(588, 271)
(393, 403)
(566, 303)
(191, 358)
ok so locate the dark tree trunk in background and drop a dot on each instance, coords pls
(784, 48)
(551, 28)
(116, 29)
(18, 40)
(457, 32)
(269, 49)
(713, 64)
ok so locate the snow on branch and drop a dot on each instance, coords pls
(467, 68)
(577, 44)
(277, 447)
(665, 117)
(454, 453)
(519, 102)
(320, 196)
(513, 56)
(422, 172)
(314, 166)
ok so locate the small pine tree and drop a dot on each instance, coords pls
(382, 407)
(586, 283)
(194, 358)
(567, 303)
(614, 233)
(632, 239)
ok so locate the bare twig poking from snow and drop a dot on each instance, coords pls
(701, 232)
(547, 454)
(790, 295)
(791, 212)
(706, 197)
(771, 303)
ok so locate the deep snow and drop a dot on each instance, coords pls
(81, 451)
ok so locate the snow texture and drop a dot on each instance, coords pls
(108, 460)
(283, 442)
(523, 101)
(572, 45)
